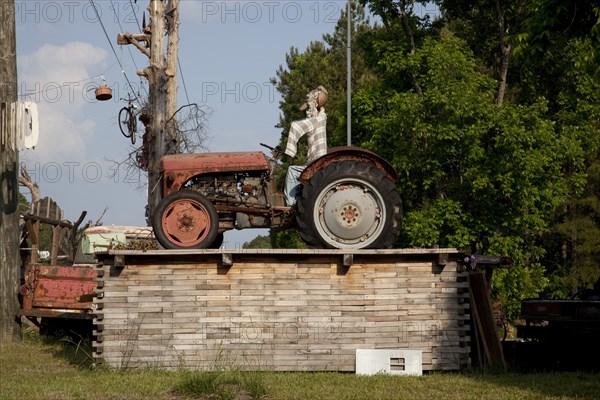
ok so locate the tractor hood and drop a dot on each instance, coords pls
(177, 169)
(215, 162)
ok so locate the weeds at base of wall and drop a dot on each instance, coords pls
(226, 379)
(222, 385)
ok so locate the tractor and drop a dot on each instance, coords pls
(348, 199)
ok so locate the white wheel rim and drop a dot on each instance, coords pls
(349, 213)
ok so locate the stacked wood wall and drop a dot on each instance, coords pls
(279, 311)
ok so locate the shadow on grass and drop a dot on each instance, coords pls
(565, 356)
(77, 351)
(68, 345)
(568, 369)
(574, 385)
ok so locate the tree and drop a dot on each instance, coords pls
(473, 174)
(545, 52)
(573, 244)
(485, 26)
(557, 56)
(30, 184)
(259, 242)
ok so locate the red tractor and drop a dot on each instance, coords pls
(348, 200)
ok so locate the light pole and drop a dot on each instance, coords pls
(349, 77)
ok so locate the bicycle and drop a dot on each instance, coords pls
(128, 120)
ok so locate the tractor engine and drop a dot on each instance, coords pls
(237, 189)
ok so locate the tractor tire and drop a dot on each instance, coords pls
(218, 242)
(186, 220)
(350, 205)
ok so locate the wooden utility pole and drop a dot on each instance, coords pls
(9, 187)
(162, 81)
(172, 64)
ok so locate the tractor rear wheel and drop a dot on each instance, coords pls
(350, 205)
(186, 220)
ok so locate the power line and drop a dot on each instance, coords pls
(141, 31)
(67, 84)
(133, 9)
(111, 45)
(123, 30)
(183, 82)
(135, 15)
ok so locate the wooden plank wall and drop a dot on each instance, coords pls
(286, 312)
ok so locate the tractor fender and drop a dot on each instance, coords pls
(342, 153)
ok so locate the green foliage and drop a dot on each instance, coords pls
(525, 279)
(549, 24)
(259, 242)
(575, 251)
(573, 257)
(426, 137)
(288, 239)
(512, 285)
(443, 222)
(472, 174)
(45, 238)
(23, 203)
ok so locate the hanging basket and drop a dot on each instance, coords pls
(103, 93)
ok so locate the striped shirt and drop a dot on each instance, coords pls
(315, 129)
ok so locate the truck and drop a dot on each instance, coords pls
(348, 199)
(560, 333)
(551, 320)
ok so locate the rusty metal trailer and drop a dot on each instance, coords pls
(58, 297)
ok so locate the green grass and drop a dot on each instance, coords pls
(225, 385)
(37, 369)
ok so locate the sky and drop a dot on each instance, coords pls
(229, 51)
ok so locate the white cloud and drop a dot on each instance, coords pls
(62, 137)
(56, 77)
(62, 63)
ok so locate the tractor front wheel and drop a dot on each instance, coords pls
(186, 220)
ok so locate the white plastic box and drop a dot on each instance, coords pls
(389, 361)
